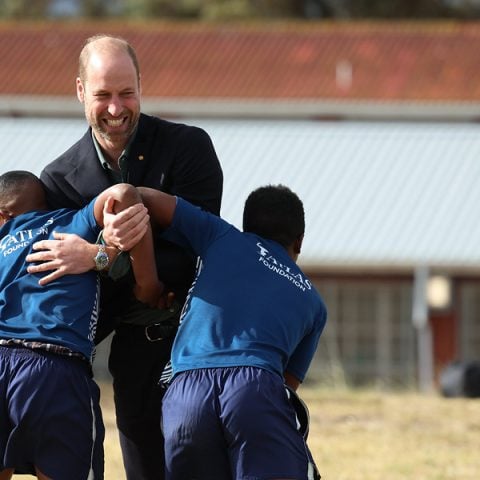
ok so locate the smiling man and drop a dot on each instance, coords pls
(125, 145)
(108, 85)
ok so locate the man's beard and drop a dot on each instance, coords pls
(116, 136)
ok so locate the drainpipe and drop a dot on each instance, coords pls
(423, 329)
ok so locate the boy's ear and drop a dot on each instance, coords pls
(4, 217)
(297, 245)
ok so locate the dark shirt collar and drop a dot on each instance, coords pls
(115, 175)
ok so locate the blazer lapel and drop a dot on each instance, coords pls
(139, 154)
(87, 175)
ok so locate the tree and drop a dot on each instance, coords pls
(241, 9)
(23, 9)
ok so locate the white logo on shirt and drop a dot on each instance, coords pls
(283, 270)
(22, 238)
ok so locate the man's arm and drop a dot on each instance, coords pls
(128, 223)
(110, 202)
(50, 255)
(195, 175)
(68, 245)
(68, 253)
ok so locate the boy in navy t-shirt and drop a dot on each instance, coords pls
(251, 324)
(50, 418)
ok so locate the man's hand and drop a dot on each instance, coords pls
(67, 254)
(126, 228)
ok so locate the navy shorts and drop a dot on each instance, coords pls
(49, 415)
(231, 423)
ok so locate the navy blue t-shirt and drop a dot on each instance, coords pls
(64, 312)
(250, 304)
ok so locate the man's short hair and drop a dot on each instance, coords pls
(276, 213)
(113, 42)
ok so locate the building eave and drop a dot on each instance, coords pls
(58, 106)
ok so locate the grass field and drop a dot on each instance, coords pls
(373, 436)
(370, 436)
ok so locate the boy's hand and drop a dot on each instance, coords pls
(154, 295)
(166, 300)
(148, 294)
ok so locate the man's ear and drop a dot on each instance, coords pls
(80, 90)
(297, 244)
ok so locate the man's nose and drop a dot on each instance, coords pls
(115, 107)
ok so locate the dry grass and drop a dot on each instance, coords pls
(370, 436)
(375, 436)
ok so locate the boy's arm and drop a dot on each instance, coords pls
(115, 200)
(121, 227)
(161, 206)
(292, 381)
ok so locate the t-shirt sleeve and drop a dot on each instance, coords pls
(195, 228)
(85, 224)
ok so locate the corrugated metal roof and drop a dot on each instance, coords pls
(376, 194)
(387, 61)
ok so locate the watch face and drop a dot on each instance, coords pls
(101, 260)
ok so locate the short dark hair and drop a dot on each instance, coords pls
(276, 213)
(22, 191)
(15, 179)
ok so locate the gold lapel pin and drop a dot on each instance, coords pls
(140, 157)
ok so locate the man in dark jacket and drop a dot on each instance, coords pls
(124, 145)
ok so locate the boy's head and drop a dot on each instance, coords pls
(276, 213)
(20, 192)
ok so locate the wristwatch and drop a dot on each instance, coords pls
(101, 259)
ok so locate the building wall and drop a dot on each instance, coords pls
(388, 194)
(370, 340)
(469, 324)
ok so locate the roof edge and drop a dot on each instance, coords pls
(388, 268)
(61, 106)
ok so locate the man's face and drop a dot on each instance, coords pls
(111, 97)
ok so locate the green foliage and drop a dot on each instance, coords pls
(23, 9)
(244, 9)
(209, 9)
(94, 8)
(227, 9)
(163, 8)
(397, 9)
